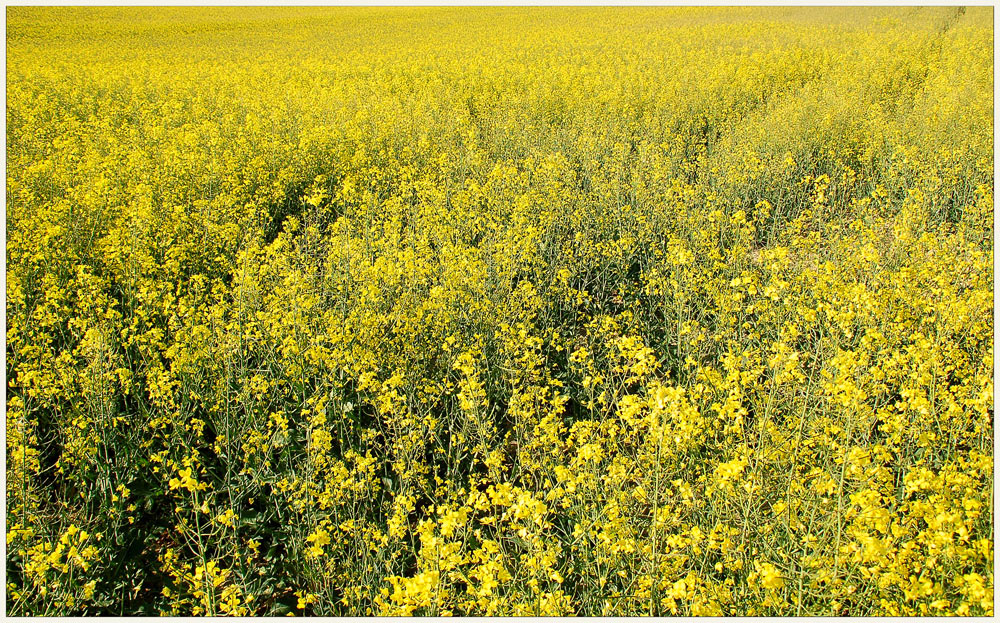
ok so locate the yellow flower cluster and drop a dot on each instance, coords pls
(499, 311)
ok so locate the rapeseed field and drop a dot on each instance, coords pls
(486, 311)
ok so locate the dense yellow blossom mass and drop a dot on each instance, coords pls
(486, 311)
